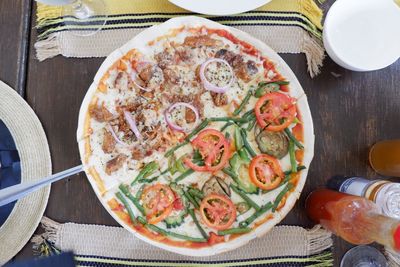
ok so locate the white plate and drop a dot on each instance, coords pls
(357, 42)
(219, 7)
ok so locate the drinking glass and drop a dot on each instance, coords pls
(92, 14)
(384, 157)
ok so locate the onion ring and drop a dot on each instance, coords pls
(209, 86)
(177, 127)
(114, 135)
(132, 124)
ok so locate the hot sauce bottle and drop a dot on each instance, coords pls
(355, 219)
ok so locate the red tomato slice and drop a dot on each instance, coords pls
(275, 111)
(217, 211)
(214, 149)
(158, 202)
(265, 172)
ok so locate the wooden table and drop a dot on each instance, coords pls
(351, 111)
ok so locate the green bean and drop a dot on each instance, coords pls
(299, 168)
(243, 120)
(127, 207)
(226, 125)
(244, 103)
(292, 155)
(234, 231)
(246, 144)
(196, 222)
(238, 139)
(148, 169)
(147, 180)
(196, 192)
(152, 179)
(248, 113)
(255, 215)
(251, 125)
(172, 150)
(232, 174)
(139, 192)
(277, 82)
(281, 195)
(245, 197)
(184, 175)
(266, 88)
(243, 155)
(169, 233)
(125, 190)
(191, 200)
(201, 126)
(291, 137)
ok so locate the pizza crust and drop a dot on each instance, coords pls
(139, 42)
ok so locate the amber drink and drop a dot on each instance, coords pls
(384, 157)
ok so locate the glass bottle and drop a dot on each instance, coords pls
(384, 193)
(355, 219)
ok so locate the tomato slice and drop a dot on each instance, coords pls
(214, 149)
(265, 172)
(217, 211)
(275, 111)
(158, 202)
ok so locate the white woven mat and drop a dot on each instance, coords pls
(34, 153)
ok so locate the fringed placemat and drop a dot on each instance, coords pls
(287, 26)
(97, 245)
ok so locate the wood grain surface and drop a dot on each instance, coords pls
(351, 111)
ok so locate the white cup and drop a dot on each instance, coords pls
(363, 35)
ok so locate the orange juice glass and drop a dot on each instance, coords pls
(384, 157)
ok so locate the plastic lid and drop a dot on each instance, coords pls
(336, 181)
(388, 198)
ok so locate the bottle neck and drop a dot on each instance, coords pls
(382, 229)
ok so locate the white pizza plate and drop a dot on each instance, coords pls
(140, 42)
(219, 7)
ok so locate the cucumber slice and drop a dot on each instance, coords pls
(240, 167)
(177, 217)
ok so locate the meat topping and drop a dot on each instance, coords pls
(100, 113)
(202, 40)
(108, 145)
(115, 164)
(219, 99)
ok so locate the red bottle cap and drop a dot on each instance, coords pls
(396, 238)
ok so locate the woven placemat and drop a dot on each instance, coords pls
(287, 26)
(34, 153)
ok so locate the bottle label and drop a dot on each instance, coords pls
(355, 186)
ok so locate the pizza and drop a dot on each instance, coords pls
(196, 137)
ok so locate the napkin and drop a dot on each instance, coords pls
(288, 26)
(10, 167)
(98, 245)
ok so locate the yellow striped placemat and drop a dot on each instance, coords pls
(288, 26)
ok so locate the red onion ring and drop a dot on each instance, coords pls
(132, 124)
(134, 74)
(114, 135)
(177, 127)
(209, 86)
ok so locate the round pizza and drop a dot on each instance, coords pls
(196, 136)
